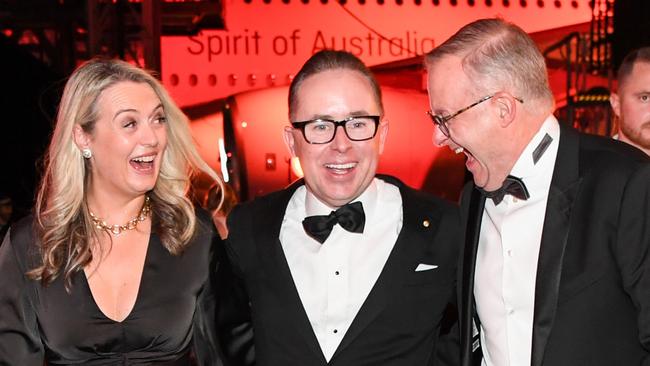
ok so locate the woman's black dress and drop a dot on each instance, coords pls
(173, 311)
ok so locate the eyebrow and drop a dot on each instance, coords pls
(159, 106)
(134, 110)
(351, 114)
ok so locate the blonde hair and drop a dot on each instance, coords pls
(220, 197)
(498, 54)
(63, 225)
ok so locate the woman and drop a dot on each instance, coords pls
(115, 265)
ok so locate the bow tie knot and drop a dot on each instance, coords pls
(513, 186)
(350, 216)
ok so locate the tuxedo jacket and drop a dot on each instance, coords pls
(592, 291)
(400, 321)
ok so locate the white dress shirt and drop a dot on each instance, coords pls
(506, 263)
(333, 279)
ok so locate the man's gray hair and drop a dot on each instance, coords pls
(498, 55)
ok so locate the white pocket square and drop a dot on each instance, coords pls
(425, 267)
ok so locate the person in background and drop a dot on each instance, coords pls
(219, 200)
(6, 210)
(631, 103)
(557, 231)
(344, 267)
(115, 265)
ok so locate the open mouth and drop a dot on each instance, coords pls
(340, 168)
(470, 160)
(143, 163)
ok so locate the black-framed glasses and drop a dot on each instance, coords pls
(322, 131)
(442, 121)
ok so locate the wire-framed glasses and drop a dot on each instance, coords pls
(443, 121)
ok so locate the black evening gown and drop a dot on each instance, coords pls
(172, 316)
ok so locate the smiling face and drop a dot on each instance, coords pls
(474, 132)
(127, 141)
(632, 106)
(341, 170)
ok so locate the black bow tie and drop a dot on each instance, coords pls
(513, 186)
(350, 216)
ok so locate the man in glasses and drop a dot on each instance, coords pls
(344, 267)
(556, 256)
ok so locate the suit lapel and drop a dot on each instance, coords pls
(563, 190)
(276, 267)
(468, 257)
(409, 243)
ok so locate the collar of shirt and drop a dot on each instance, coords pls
(313, 206)
(537, 177)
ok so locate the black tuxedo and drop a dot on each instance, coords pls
(592, 292)
(400, 320)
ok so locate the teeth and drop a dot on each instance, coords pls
(459, 150)
(145, 159)
(341, 166)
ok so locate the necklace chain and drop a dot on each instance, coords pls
(129, 225)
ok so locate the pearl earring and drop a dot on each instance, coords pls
(86, 153)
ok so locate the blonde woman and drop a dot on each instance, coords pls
(114, 266)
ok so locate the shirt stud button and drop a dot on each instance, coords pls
(426, 223)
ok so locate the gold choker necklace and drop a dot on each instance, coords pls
(130, 225)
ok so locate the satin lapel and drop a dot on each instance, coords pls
(563, 190)
(472, 232)
(276, 268)
(410, 242)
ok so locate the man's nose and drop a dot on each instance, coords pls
(341, 141)
(439, 138)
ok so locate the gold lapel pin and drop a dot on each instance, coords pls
(426, 223)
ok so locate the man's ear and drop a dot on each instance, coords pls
(289, 141)
(615, 102)
(383, 133)
(81, 139)
(506, 108)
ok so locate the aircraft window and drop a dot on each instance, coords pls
(574, 3)
(558, 4)
(173, 79)
(212, 79)
(453, 2)
(506, 3)
(488, 2)
(523, 3)
(193, 79)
